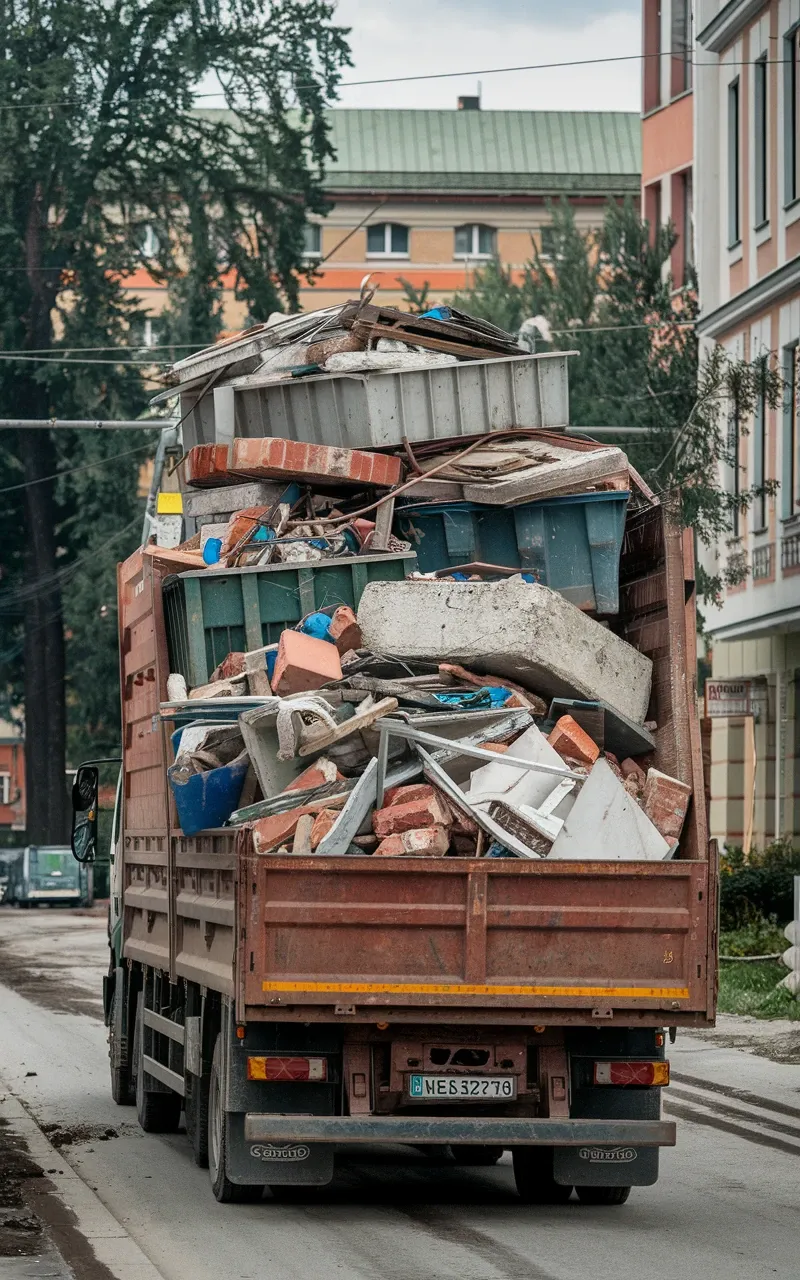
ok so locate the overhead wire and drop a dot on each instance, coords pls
(68, 471)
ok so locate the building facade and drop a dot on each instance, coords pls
(668, 125)
(12, 777)
(747, 221)
(429, 196)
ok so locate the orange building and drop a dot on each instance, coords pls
(667, 124)
(429, 196)
(12, 777)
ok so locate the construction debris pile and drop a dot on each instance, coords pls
(438, 672)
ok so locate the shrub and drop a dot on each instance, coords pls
(761, 886)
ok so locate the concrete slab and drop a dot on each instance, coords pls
(517, 629)
(606, 823)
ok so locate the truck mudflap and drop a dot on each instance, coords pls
(595, 1135)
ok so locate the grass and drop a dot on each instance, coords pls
(753, 988)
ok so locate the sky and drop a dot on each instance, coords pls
(413, 37)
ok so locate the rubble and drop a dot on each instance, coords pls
(471, 711)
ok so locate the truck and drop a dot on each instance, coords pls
(47, 875)
(287, 1005)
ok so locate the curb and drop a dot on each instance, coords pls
(87, 1236)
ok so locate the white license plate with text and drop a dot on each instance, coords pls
(486, 1087)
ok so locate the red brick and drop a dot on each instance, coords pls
(665, 803)
(433, 841)
(345, 631)
(242, 525)
(207, 466)
(569, 739)
(499, 748)
(408, 792)
(269, 833)
(315, 463)
(316, 775)
(614, 765)
(304, 663)
(233, 665)
(405, 817)
(323, 822)
(630, 769)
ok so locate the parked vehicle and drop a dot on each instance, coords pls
(47, 875)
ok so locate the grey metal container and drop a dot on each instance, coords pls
(379, 408)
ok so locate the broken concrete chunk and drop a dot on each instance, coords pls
(512, 629)
(572, 742)
(666, 801)
(304, 663)
(606, 823)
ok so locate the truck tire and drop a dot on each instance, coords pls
(225, 1191)
(123, 1087)
(603, 1195)
(195, 1105)
(533, 1174)
(156, 1112)
(475, 1154)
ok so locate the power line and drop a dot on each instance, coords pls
(432, 75)
(14, 355)
(101, 462)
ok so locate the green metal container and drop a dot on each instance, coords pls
(213, 612)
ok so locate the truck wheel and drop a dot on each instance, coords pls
(195, 1105)
(123, 1088)
(156, 1112)
(225, 1191)
(474, 1154)
(603, 1195)
(533, 1174)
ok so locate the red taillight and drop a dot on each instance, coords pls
(287, 1069)
(631, 1073)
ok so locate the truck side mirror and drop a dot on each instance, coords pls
(84, 813)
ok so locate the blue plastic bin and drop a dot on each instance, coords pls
(570, 544)
(208, 799)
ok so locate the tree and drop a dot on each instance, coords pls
(105, 166)
(609, 296)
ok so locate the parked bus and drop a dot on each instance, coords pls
(48, 874)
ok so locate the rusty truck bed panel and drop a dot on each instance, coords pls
(459, 934)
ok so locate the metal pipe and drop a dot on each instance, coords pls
(78, 424)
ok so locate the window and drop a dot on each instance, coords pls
(681, 47)
(5, 788)
(734, 224)
(791, 114)
(760, 459)
(387, 240)
(312, 240)
(791, 411)
(734, 439)
(688, 223)
(475, 241)
(548, 241)
(148, 241)
(760, 131)
(146, 332)
(652, 54)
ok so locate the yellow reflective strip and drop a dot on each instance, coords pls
(475, 989)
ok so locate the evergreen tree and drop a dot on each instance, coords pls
(100, 142)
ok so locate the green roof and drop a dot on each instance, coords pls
(492, 151)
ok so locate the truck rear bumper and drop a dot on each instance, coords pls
(495, 1131)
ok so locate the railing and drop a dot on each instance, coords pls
(790, 551)
(763, 562)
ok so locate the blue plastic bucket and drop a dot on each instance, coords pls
(207, 800)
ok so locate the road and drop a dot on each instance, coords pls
(725, 1208)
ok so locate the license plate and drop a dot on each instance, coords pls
(486, 1087)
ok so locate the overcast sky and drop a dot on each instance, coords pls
(412, 37)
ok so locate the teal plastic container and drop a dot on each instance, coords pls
(211, 613)
(570, 544)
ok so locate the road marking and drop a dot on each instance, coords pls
(476, 989)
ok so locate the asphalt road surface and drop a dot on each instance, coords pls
(725, 1207)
